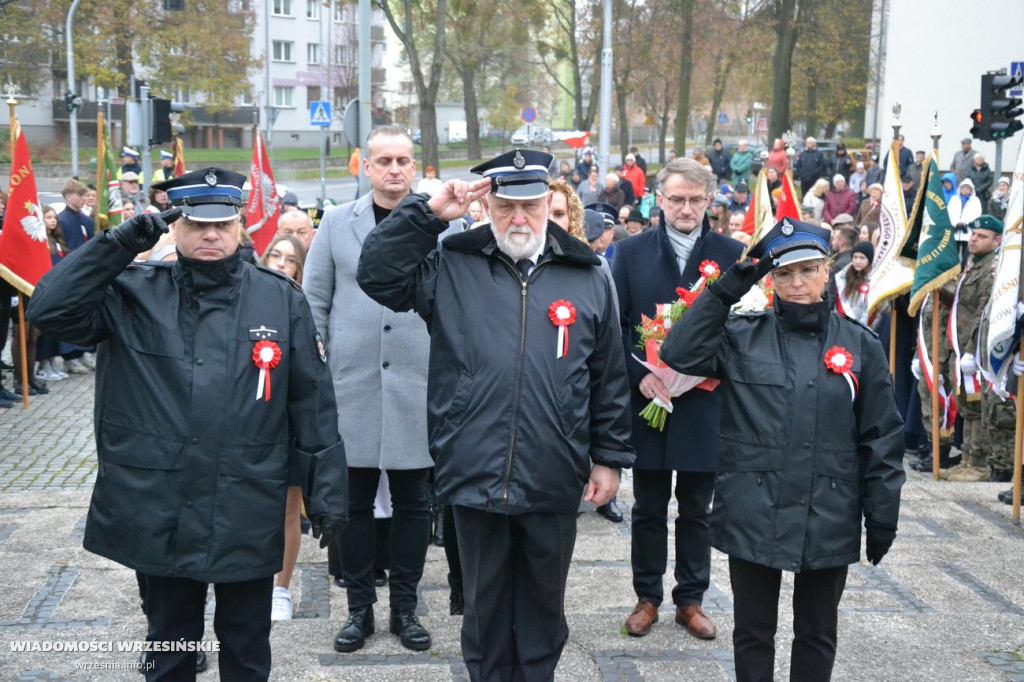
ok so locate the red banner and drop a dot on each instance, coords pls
(264, 208)
(788, 207)
(179, 157)
(24, 255)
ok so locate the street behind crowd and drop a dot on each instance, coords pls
(947, 603)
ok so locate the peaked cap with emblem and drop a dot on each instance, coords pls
(792, 241)
(520, 174)
(205, 196)
(607, 211)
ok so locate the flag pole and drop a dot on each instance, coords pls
(22, 345)
(1018, 434)
(935, 384)
(892, 338)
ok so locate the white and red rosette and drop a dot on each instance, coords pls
(709, 271)
(562, 313)
(266, 355)
(840, 361)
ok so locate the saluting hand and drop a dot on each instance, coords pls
(142, 232)
(453, 201)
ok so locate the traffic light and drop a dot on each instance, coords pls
(976, 120)
(750, 115)
(161, 124)
(71, 101)
(997, 118)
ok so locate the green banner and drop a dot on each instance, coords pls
(930, 243)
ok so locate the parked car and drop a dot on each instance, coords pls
(520, 136)
(417, 137)
(497, 134)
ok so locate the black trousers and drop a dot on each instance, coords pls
(451, 550)
(649, 551)
(409, 537)
(816, 596)
(514, 570)
(174, 610)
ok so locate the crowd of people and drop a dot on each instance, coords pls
(422, 374)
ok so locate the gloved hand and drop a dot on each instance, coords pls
(879, 541)
(968, 365)
(329, 527)
(915, 368)
(142, 232)
(1018, 364)
(738, 280)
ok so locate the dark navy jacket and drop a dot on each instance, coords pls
(646, 274)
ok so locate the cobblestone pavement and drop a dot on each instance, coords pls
(946, 604)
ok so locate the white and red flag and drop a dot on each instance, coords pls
(24, 255)
(263, 209)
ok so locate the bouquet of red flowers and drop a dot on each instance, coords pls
(652, 334)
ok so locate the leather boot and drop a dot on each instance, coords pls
(406, 625)
(357, 628)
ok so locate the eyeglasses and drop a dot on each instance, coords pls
(693, 202)
(786, 277)
(274, 254)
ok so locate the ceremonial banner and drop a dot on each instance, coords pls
(108, 189)
(788, 206)
(889, 276)
(929, 239)
(179, 157)
(760, 212)
(24, 255)
(1002, 308)
(263, 209)
(573, 138)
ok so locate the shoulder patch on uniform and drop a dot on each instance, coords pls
(278, 273)
(321, 348)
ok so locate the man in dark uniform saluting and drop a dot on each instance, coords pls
(211, 388)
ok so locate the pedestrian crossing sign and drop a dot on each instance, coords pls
(319, 113)
(1017, 70)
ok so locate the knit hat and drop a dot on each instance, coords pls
(865, 249)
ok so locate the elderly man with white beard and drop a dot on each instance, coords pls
(527, 396)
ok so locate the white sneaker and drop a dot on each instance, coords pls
(89, 360)
(47, 373)
(75, 367)
(281, 606)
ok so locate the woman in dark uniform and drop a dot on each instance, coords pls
(812, 445)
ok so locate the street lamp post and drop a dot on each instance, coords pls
(73, 114)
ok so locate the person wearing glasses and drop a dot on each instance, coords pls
(811, 445)
(647, 268)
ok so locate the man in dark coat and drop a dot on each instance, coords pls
(212, 390)
(810, 165)
(719, 158)
(812, 446)
(647, 269)
(527, 396)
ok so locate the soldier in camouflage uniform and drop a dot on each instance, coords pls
(975, 289)
(924, 461)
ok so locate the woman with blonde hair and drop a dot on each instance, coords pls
(566, 209)
(814, 201)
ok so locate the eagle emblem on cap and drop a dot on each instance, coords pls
(211, 178)
(787, 227)
(518, 161)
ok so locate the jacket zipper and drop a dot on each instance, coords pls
(519, 374)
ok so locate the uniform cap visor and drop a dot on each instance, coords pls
(532, 189)
(797, 255)
(209, 213)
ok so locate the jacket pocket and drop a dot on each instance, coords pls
(460, 399)
(760, 373)
(154, 340)
(571, 410)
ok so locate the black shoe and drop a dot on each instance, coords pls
(456, 604)
(611, 511)
(407, 626)
(357, 628)
(6, 403)
(380, 577)
(5, 367)
(39, 386)
(200, 661)
(1006, 497)
(925, 464)
(340, 582)
(1000, 476)
(7, 395)
(32, 390)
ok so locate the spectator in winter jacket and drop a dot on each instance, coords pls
(949, 185)
(1000, 198)
(611, 194)
(981, 175)
(810, 166)
(962, 160)
(777, 157)
(741, 162)
(719, 159)
(635, 175)
(842, 164)
(840, 200)
(857, 176)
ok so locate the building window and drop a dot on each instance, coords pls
(313, 9)
(282, 51)
(245, 99)
(344, 55)
(283, 8)
(283, 96)
(312, 53)
(340, 12)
